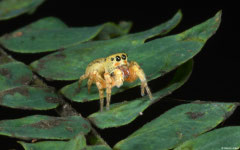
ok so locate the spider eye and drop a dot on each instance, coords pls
(118, 58)
(112, 59)
(123, 57)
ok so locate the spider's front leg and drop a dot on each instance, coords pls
(101, 85)
(135, 71)
(115, 79)
(108, 81)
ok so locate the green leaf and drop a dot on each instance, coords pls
(50, 33)
(124, 113)
(36, 41)
(156, 57)
(26, 97)
(112, 30)
(14, 74)
(177, 125)
(13, 8)
(72, 62)
(44, 127)
(223, 138)
(4, 58)
(43, 24)
(77, 143)
(15, 92)
(98, 147)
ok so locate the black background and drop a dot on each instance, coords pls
(215, 75)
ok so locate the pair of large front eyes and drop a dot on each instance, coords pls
(118, 58)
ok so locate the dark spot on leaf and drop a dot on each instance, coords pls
(77, 90)
(25, 80)
(69, 129)
(22, 90)
(59, 55)
(85, 100)
(85, 126)
(52, 99)
(5, 72)
(61, 49)
(40, 64)
(33, 38)
(194, 115)
(47, 124)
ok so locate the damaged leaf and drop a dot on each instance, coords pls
(26, 97)
(177, 125)
(77, 143)
(71, 63)
(125, 112)
(14, 74)
(4, 58)
(12, 8)
(156, 57)
(44, 127)
(15, 91)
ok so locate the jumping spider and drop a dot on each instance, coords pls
(113, 71)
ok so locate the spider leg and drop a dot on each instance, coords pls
(118, 78)
(101, 84)
(83, 77)
(101, 94)
(90, 82)
(109, 83)
(135, 71)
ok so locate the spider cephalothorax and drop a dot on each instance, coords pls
(113, 71)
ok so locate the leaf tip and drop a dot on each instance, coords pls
(218, 16)
(179, 12)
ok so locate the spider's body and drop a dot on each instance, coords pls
(113, 71)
